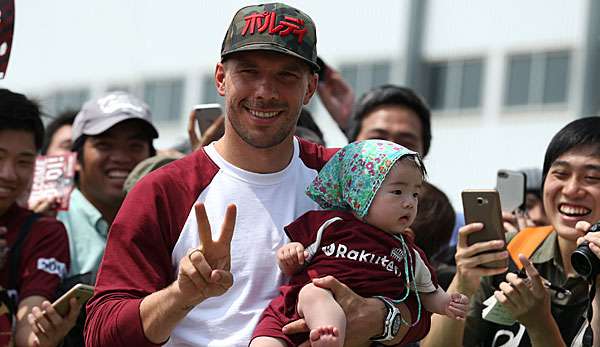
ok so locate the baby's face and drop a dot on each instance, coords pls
(394, 206)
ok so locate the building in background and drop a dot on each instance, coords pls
(502, 76)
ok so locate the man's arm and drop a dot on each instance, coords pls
(39, 325)
(203, 273)
(365, 316)
(450, 332)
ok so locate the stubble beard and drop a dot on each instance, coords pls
(260, 141)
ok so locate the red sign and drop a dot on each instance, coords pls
(54, 176)
(262, 21)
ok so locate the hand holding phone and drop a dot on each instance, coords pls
(81, 292)
(483, 206)
(206, 114)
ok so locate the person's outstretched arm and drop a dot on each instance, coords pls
(446, 331)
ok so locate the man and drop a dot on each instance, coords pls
(163, 278)
(43, 255)
(58, 139)
(111, 135)
(395, 114)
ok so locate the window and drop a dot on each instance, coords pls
(164, 97)
(538, 78)
(365, 76)
(453, 85)
(64, 100)
(209, 91)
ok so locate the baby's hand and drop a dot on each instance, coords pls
(457, 306)
(291, 257)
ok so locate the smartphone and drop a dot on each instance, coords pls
(511, 187)
(81, 292)
(206, 114)
(483, 206)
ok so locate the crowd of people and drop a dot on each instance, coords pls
(262, 236)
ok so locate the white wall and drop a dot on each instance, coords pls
(460, 27)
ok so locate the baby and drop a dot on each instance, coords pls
(369, 192)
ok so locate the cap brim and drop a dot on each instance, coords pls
(273, 48)
(106, 123)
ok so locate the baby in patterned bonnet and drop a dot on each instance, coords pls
(369, 192)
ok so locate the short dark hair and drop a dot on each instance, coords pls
(65, 118)
(307, 121)
(435, 220)
(582, 132)
(17, 112)
(391, 95)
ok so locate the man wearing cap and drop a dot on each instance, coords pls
(183, 266)
(111, 135)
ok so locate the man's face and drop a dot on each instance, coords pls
(17, 160)
(572, 191)
(107, 160)
(535, 210)
(393, 123)
(61, 141)
(264, 92)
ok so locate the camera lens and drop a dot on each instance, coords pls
(585, 262)
(480, 200)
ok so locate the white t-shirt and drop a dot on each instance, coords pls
(265, 204)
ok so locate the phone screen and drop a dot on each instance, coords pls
(511, 187)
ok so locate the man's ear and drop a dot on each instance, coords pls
(220, 79)
(313, 81)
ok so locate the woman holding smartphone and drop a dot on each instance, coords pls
(571, 194)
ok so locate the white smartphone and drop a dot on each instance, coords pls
(206, 114)
(511, 187)
(81, 292)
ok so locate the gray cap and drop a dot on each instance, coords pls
(533, 182)
(98, 115)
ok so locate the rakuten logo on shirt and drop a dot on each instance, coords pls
(52, 266)
(342, 251)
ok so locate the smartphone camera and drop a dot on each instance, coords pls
(481, 200)
(584, 260)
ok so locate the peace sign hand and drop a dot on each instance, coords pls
(204, 272)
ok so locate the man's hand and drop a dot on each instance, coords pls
(46, 206)
(526, 299)
(337, 96)
(204, 272)
(458, 306)
(359, 327)
(470, 258)
(192, 134)
(593, 239)
(291, 257)
(48, 327)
